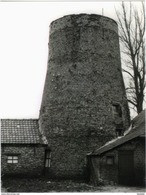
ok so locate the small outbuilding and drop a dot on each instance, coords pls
(23, 147)
(122, 160)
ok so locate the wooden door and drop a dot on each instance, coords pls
(126, 168)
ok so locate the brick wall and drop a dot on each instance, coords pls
(83, 80)
(31, 160)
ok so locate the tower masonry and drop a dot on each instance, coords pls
(84, 103)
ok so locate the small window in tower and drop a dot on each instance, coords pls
(48, 158)
(117, 111)
(109, 160)
(119, 129)
(119, 132)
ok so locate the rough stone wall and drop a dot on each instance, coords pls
(139, 165)
(83, 80)
(30, 160)
(108, 174)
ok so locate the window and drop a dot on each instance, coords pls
(48, 158)
(12, 159)
(110, 160)
(118, 120)
(117, 111)
(120, 129)
(119, 132)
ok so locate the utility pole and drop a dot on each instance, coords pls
(102, 11)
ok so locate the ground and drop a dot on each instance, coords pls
(45, 185)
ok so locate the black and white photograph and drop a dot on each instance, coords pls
(72, 96)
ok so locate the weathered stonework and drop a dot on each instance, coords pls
(83, 80)
(109, 174)
(31, 160)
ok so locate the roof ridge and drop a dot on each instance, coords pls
(119, 141)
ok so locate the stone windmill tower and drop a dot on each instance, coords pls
(84, 103)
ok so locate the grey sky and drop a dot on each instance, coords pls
(24, 33)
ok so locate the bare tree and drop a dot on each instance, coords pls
(132, 31)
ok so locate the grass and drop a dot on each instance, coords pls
(46, 185)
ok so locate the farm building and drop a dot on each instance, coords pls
(23, 147)
(122, 160)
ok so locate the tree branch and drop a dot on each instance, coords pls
(127, 72)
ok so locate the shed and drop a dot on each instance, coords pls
(122, 160)
(23, 147)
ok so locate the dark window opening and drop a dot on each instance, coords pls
(47, 158)
(120, 129)
(118, 120)
(119, 132)
(117, 111)
(110, 160)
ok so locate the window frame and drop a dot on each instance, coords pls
(12, 159)
(117, 110)
(113, 160)
(47, 158)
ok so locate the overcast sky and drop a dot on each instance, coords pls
(24, 35)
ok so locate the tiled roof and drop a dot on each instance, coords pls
(137, 130)
(138, 120)
(20, 131)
